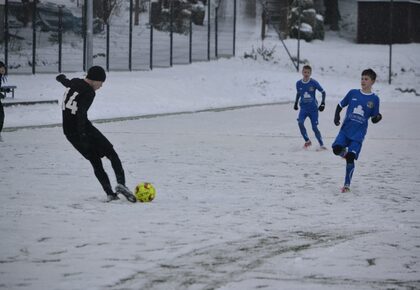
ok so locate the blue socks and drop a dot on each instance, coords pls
(318, 135)
(303, 131)
(349, 173)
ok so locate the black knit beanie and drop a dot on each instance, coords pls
(96, 73)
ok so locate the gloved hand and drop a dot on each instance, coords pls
(321, 107)
(337, 120)
(376, 119)
(296, 107)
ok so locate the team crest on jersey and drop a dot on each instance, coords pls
(370, 104)
(311, 89)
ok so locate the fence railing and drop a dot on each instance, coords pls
(40, 37)
(269, 19)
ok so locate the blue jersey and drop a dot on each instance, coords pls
(361, 107)
(306, 92)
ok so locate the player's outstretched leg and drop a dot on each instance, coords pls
(117, 166)
(103, 178)
(120, 176)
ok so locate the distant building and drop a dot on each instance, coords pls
(374, 21)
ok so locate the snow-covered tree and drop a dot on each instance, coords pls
(305, 21)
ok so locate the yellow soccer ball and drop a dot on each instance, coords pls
(145, 192)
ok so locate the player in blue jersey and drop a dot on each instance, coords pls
(305, 92)
(361, 105)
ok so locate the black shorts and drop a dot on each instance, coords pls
(95, 145)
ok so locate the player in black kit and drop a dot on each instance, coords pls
(88, 140)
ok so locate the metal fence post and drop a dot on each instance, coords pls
(391, 7)
(107, 45)
(130, 40)
(89, 33)
(33, 37)
(298, 40)
(171, 32)
(6, 32)
(60, 36)
(151, 47)
(84, 33)
(208, 29)
(234, 28)
(190, 44)
(215, 32)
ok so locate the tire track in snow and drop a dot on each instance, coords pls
(214, 266)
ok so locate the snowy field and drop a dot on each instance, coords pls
(240, 206)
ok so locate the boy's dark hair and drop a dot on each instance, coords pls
(96, 73)
(307, 66)
(370, 73)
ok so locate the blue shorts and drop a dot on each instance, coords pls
(352, 146)
(313, 116)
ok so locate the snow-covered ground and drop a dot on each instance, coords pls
(239, 204)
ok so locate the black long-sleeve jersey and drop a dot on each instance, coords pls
(77, 100)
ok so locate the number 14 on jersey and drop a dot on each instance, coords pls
(71, 103)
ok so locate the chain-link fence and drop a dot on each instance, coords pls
(40, 36)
